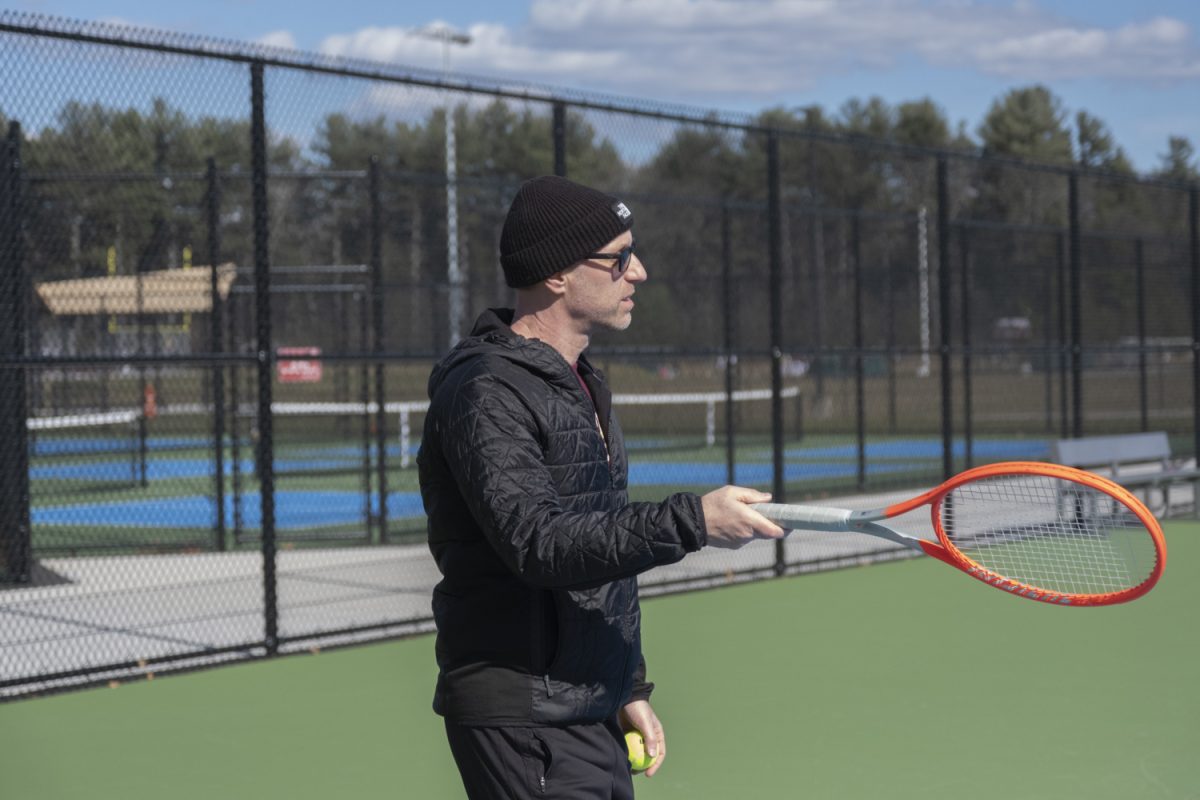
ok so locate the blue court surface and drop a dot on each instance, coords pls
(293, 510)
(981, 449)
(160, 468)
(659, 473)
(44, 445)
(316, 509)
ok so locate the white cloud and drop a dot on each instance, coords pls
(493, 48)
(281, 39)
(682, 48)
(1158, 49)
(413, 103)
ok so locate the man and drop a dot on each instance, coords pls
(524, 478)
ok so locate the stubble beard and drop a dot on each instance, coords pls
(620, 321)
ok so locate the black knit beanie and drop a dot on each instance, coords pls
(553, 223)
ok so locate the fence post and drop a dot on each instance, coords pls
(730, 308)
(262, 307)
(1194, 230)
(362, 306)
(377, 343)
(889, 266)
(1064, 351)
(16, 545)
(560, 139)
(235, 338)
(1143, 391)
(144, 387)
(860, 400)
(943, 190)
(1048, 347)
(775, 292)
(1076, 271)
(964, 241)
(216, 326)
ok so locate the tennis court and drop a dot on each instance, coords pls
(226, 270)
(176, 459)
(899, 680)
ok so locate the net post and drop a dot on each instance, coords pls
(143, 429)
(16, 540)
(710, 423)
(943, 222)
(215, 328)
(798, 433)
(775, 245)
(377, 344)
(134, 450)
(262, 304)
(405, 436)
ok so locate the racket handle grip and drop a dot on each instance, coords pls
(809, 518)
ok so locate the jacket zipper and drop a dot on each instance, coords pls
(587, 396)
(600, 430)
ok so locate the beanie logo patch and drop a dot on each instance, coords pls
(622, 211)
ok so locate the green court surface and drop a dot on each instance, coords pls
(900, 680)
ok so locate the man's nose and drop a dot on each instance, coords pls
(636, 273)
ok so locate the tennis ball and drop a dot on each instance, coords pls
(639, 760)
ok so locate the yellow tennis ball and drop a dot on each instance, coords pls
(639, 760)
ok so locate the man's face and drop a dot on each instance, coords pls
(598, 296)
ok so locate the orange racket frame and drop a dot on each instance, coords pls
(944, 549)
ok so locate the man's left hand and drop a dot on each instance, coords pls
(639, 716)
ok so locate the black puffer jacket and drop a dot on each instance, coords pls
(530, 524)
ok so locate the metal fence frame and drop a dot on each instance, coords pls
(951, 268)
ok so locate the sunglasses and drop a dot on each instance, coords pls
(623, 257)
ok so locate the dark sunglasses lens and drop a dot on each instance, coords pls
(623, 259)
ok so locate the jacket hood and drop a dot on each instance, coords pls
(492, 336)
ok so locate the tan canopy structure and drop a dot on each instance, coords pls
(169, 291)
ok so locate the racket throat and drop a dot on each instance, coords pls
(865, 522)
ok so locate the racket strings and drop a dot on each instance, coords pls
(1049, 533)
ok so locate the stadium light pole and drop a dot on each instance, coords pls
(455, 302)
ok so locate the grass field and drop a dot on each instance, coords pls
(900, 680)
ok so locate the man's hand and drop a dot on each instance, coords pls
(731, 522)
(639, 716)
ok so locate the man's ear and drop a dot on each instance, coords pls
(557, 283)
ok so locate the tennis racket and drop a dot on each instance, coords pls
(1041, 531)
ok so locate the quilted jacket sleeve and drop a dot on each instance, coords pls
(490, 444)
(642, 688)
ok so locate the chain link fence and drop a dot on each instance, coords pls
(227, 270)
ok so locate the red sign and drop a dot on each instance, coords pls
(290, 369)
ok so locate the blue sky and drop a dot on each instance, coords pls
(1134, 65)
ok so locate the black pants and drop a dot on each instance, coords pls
(580, 762)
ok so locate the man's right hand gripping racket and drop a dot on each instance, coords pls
(1045, 532)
